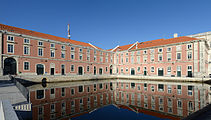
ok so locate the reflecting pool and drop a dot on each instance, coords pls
(117, 100)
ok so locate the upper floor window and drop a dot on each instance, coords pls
(40, 43)
(145, 52)
(40, 52)
(52, 45)
(160, 50)
(152, 51)
(80, 50)
(52, 53)
(26, 41)
(189, 46)
(160, 57)
(63, 54)
(81, 57)
(178, 56)
(138, 53)
(101, 53)
(63, 47)
(88, 50)
(72, 56)
(10, 38)
(95, 52)
(10, 48)
(168, 49)
(26, 50)
(178, 48)
(189, 55)
(72, 48)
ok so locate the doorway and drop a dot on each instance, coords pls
(80, 71)
(40, 69)
(10, 66)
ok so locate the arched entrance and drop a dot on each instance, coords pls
(111, 70)
(100, 71)
(80, 70)
(40, 69)
(10, 66)
(95, 71)
(132, 72)
(62, 70)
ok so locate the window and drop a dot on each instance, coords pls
(145, 86)
(160, 87)
(26, 50)
(160, 50)
(152, 88)
(72, 48)
(189, 46)
(10, 38)
(168, 49)
(179, 103)
(161, 101)
(190, 105)
(178, 48)
(101, 59)
(145, 58)
(52, 45)
(152, 57)
(138, 53)
(72, 56)
(133, 85)
(26, 41)
(88, 58)
(40, 43)
(87, 68)
(152, 69)
(63, 91)
(139, 69)
(88, 89)
(80, 88)
(40, 94)
(63, 54)
(169, 70)
(169, 102)
(138, 59)
(80, 57)
(160, 58)
(52, 107)
(10, 48)
(132, 59)
(52, 53)
(95, 58)
(152, 51)
(122, 70)
(169, 88)
(40, 52)
(72, 68)
(126, 60)
(126, 69)
(80, 50)
(72, 91)
(106, 69)
(168, 56)
(26, 65)
(178, 56)
(145, 52)
(40, 110)
(190, 90)
(189, 55)
(179, 89)
(63, 47)
(101, 86)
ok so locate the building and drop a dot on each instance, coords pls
(26, 52)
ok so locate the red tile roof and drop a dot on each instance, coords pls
(42, 35)
(158, 42)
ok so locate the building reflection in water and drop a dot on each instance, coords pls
(161, 99)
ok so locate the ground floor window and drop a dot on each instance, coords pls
(26, 65)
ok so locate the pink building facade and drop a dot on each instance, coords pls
(25, 52)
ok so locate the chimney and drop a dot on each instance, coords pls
(175, 35)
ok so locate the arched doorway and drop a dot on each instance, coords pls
(132, 72)
(95, 71)
(100, 71)
(10, 66)
(40, 69)
(111, 70)
(80, 70)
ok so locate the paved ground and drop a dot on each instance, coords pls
(8, 91)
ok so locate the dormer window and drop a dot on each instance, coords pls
(10, 38)
(26, 41)
(40, 43)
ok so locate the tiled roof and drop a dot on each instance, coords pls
(42, 35)
(154, 43)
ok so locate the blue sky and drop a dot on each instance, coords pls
(107, 23)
